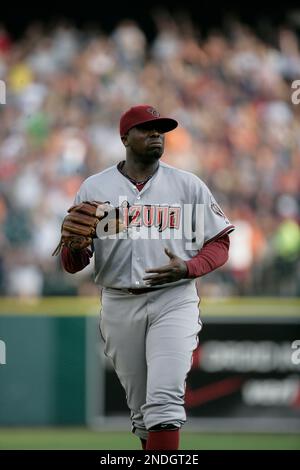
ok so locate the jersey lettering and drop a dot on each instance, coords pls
(148, 215)
(135, 215)
(162, 217)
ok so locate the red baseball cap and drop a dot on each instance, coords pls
(145, 113)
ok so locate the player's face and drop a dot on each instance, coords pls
(146, 141)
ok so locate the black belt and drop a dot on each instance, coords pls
(142, 291)
(137, 291)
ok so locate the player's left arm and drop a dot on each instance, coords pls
(212, 256)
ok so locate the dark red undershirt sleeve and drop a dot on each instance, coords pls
(211, 256)
(75, 261)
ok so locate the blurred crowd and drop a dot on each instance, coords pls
(239, 131)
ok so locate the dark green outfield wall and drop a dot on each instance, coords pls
(43, 380)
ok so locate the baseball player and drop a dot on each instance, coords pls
(168, 231)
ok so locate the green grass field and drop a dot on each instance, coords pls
(83, 439)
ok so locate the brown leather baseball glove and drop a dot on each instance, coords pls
(79, 226)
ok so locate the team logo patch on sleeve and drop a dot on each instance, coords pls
(216, 209)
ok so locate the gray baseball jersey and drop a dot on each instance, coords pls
(175, 209)
(150, 337)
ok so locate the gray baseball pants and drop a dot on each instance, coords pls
(150, 339)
